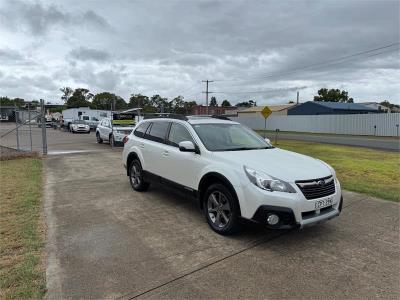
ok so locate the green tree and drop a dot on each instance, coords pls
(226, 103)
(80, 98)
(5, 101)
(389, 105)
(142, 101)
(333, 95)
(67, 93)
(160, 104)
(105, 99)
(213, 101)
(249, 103)
(178, 105)
(189, 107)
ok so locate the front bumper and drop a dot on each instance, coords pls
(287, 216)
(81, 129)
(293, 208)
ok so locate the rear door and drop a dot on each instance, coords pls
(154, 147)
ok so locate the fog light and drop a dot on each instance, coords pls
(272, 219)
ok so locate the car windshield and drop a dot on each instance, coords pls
(229, 137)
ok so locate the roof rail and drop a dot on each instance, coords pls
(220, 117)
(165, 115)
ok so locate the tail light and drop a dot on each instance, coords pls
(125, 139)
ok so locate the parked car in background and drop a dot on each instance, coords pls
(83, 113)
(114, 134)
(91, 121)
(79, 127)
(232, 172)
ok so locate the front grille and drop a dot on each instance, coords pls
(317, 188)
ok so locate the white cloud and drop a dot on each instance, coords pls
(168, 47)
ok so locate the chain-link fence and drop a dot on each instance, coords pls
(23, 130)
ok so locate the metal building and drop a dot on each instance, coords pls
(330, 108)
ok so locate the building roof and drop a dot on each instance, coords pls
(271, 107)
(343, 106)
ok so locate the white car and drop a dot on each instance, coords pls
(232, 172)
(79, 127)
(113, 134)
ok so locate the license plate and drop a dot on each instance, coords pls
(323, 203)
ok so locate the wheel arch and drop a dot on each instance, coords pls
(211, 178)
(131, 157)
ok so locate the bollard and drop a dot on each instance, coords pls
(276, 136)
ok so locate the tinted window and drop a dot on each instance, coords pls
(86, 118)
(178, 133)
(141, 129)
(158, 131)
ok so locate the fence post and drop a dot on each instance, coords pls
(30, 127)
(374, 130)
(397, 125)
(16, 126)
(43, 120)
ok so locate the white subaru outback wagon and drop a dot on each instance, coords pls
(232, 172)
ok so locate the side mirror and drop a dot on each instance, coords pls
(188, 146)
(268, 140)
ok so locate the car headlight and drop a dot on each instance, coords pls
(267, 182)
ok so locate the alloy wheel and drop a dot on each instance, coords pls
(135, 175)
(218, 209)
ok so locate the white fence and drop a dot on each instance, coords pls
(357, 124)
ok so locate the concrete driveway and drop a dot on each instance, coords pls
(106, 241)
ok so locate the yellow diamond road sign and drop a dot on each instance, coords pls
(266, 112)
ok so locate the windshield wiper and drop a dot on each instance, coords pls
(248, 148)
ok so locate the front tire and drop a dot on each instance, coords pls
(136, 177)
(221, 209)
(98, 138)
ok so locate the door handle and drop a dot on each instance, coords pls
(165, 153)
(141, 145)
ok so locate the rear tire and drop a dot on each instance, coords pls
(98, 138)
(221, 210)
(136, 177)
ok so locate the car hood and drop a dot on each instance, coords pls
(282, 164)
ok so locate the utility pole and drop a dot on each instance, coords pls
(207, 92)
(297, 97)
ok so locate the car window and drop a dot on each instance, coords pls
(141, 129)
(178, 133)
(158, 131)
(86, 118)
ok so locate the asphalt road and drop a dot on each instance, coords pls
(382, 143)
(106, 241)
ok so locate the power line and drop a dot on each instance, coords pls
(331, 64)
(319, 64)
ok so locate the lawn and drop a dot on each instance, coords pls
(22, 274)
(370, 172)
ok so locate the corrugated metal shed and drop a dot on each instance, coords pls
(329, 108)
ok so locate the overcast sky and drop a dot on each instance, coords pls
(261, 50)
